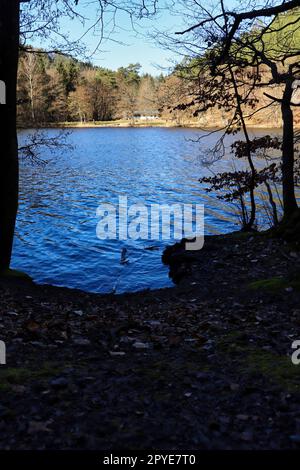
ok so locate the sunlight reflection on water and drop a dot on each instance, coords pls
(56, 230)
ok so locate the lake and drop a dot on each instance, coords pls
(56, 240)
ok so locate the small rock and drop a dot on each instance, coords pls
(242, 417)
(59, 383)
(295, 438)
(81, 342)
(80, 313)
(289, 289)
(126, 339)
(202, 375)
(153, 322)
(117, 353)
(140, 345)
(38, 426)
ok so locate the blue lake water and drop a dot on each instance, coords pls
(56, 238)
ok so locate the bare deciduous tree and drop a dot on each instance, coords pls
(238, 52)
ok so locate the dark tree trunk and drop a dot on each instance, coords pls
(248, 226)
(9, 46)
(288, 186)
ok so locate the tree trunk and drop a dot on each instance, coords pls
(249, 225)
(288, 186)
(9, 50)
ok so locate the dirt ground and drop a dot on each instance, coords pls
(204, 365)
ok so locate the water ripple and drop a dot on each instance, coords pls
(56, 229)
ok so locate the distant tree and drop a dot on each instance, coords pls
(100, 97)
(173, 93)
(131, 73)
(68, 72)
(34, 88)
(147, 99)
(58, 99)
(128, 82)
(56, 89)
(79, 106)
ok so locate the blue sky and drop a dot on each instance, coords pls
(125, 45)
(131, 46)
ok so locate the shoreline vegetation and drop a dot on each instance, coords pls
(205, 364)
(62, 92)
(123, 123)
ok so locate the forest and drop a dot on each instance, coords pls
(54, 88)
(57, 88)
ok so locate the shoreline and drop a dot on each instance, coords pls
(149, 124)
(205, 364)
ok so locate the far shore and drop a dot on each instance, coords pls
(144, 124)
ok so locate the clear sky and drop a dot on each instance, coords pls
(132, 46)
(125, 45)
